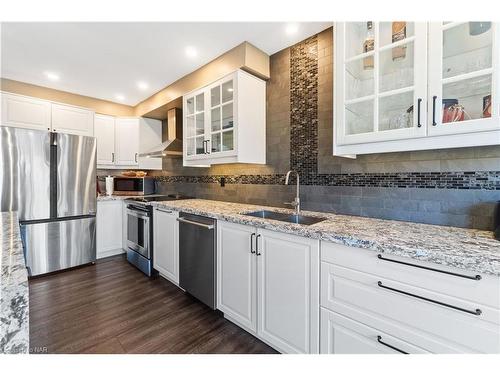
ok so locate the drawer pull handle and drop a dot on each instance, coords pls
(473, 312)
(475, 277)
(379, 339)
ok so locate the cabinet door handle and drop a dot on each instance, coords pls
(208, 147)
(112, 157)
(379, 339)
(419, 104)
(257, 245)
(135, 157)
(434, 123)
(475, 277)
(251, 243)
(473, 312)
(204, 147)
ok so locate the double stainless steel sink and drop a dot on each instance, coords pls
(289, 218)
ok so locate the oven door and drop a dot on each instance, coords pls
(138, 230)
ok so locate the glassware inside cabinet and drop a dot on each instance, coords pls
(396, 111)
(466, 48)
(396, 73)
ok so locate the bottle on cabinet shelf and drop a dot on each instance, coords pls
(398, 33)
(369, 45)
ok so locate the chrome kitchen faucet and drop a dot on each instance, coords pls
(296, 202)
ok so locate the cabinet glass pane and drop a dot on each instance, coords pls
(359, 117)
(215, 118)
(359, 78)
(467, 99)
(215, 96)
(190, 126)
(216, 144)
(200, 104)
(359, 38)
(396, 73)
(227, 91)
(227, 141)
(200, 123)
(391, 32)
(467, 48)
(227, 116)
(199, 145)
(396, 111)
(190, 106)
(190, 146)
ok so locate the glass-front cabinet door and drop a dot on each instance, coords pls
(195, 124)
(381, 81)
(222, 117)
(463, 77)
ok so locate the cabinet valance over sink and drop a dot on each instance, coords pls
(403, 86)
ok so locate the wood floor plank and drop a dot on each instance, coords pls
(111, 307)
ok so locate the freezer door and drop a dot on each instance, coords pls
(25, 172)
(56, 245)
(76, 175)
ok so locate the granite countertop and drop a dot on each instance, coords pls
(468, 249)
(104, 198)
(14, 291)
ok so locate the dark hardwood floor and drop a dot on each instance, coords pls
(113, 308)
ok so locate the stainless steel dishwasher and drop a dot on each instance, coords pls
(197, 257)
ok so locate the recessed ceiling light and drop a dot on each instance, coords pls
(52, 76)
(191, 51)
(120, 97)
(291, 28)
(142, 85)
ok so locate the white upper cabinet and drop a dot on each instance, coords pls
(72, 120)
(121, 140)
(403, 86)
(104, 131)
(464, 84)
(225, 122)
(33, 113)
(381, 82)
(25, 112)
(127, 141)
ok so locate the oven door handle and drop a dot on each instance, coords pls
(206, 226)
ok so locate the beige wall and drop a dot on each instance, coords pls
(244, 56)
(98, 105)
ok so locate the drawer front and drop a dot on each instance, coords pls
(341, 335)
(346, 291)
(485, 291)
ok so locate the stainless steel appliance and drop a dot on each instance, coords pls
(197, 257)
(140, 230)
(134, 185)
(49, 179)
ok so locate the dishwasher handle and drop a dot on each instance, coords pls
(186, 221)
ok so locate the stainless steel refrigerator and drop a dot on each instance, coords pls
(50, 180)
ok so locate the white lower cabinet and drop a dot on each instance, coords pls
(341, 335)
(166, 243)
(268, 283)
(109, 228)
(436, 309)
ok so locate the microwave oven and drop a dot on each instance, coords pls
(133, 185)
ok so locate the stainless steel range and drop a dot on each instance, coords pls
(140, 230)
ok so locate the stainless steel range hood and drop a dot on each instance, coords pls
(173, 145)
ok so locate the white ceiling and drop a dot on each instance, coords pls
(103, 60)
